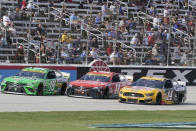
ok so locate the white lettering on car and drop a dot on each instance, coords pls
(117, 88)
(52, 85)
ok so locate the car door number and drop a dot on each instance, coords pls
(52, 85)
(117, 88)
(170, 95)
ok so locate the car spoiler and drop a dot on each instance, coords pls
(129, 78)
(182, 83)
(65, 74)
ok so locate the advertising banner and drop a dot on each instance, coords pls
(187, 75)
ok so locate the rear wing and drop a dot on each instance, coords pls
(182, 83)
(67, 75)
(129, 78)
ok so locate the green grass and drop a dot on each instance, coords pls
(78, 121)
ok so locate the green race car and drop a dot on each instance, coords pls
(36, 81)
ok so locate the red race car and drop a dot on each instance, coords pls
(99, 82)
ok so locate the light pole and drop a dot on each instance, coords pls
(60, 22)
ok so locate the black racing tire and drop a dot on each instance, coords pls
(180, 98)
(63, 89)
(158, 99)
(39, 90)
(69, 91)
(105, 94)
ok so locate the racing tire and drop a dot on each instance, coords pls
(180, 99)
(39, 90)
(63, 89)
(70, 91)
(106, 93)
(158, 99)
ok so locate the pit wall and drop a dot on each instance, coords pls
(186, 74)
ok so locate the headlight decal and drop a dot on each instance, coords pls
(149, 94)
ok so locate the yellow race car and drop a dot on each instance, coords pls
(152, 90)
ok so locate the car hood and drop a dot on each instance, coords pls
(87, 83)
(17, 79)
(139, 89)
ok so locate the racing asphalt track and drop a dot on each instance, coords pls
(21, 103)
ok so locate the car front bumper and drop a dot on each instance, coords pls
(136, 100)
(88, 92)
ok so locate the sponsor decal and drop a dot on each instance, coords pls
(37, 71)
(94, 74)
(99, 65)
(170, 125)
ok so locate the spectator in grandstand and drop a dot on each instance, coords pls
(75, 55)
(6, 20)
(12, 30)
(151, 39)
(99, 18)
(77, 43)
(175, 26)
(93, 54)
(104, 9)
(109, 49)
(113, 9)
(114, 57)
(156, 21)
(148, 58)
(30, 5)
(94, 43)
(184, 60)
(177, 54)
(64, 57)
(17, 14)
(51, 3)
(20, 54)
(120, 59)
(31, 54)
(192, 12)
(83, 55)
(66, 38)
(152, 11)
(111, 34)
(123, 31)
(24, 5)
(43, 53)
(166, 12)
(74, 20)
(3, 41)
(131, 57)
(132, 24)
(134, 41)
(122, 22)
(145, 40)
(166, 20)
(40, 30)
(51, 55)
(120, 32)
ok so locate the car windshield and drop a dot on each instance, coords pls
(31, 74)
(148, 83)
(95, 78)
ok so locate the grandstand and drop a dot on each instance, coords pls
(120, 32)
